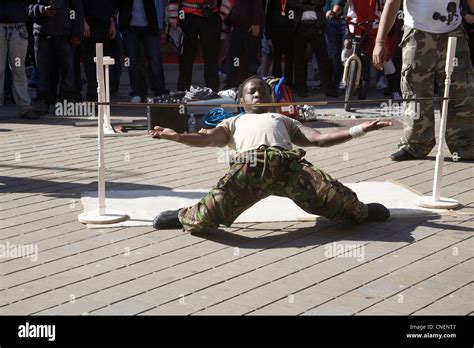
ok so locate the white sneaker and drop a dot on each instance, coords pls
(136, 99)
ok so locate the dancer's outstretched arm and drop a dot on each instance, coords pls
(306, 136)
(213, 137)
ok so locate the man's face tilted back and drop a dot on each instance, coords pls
(256, 91)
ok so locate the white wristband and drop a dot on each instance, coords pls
(356, 131)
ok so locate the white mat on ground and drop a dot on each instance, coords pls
(143, 205)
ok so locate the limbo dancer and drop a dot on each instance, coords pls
(426, 33)
(278, 169)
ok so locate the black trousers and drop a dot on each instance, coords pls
(209, 32)
(283, 47)
(99, 34)
(244, 46)
(52, 54)
(308, 32)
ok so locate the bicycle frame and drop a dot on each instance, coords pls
(358, 42)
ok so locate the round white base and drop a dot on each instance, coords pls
(110, 217)
(442, 203)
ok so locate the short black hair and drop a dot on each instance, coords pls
(240, 91)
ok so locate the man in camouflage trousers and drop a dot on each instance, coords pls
(266, 164)
(425, 40)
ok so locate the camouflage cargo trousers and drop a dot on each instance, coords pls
(274, 172)
(424, 60)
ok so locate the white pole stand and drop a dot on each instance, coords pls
(101, 216)
(106, 62)
(436, 201)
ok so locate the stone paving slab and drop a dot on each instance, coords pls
(254, 269)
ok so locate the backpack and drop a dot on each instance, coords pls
(281, 93)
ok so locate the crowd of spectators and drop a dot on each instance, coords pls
(52, 38)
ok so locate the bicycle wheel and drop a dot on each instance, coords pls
(351, 84)
(363, 89)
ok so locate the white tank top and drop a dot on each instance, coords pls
(433, 16)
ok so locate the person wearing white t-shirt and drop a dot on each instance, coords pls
(266, 164)
(428, 25)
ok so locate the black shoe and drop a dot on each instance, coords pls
(29, 114)
(377, 212)
(167, 220)
(331, 92)
(41, 108)
(401, 155)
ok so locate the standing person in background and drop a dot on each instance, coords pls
(310, 24)
(99, 27)
(468, 16)
(13, 49)
(369, 11)
(141, 23)
(335, 32)
(58, 30)
(116, 69)
(247, 19)
(424, 44)
(279, 30)
(202, 19)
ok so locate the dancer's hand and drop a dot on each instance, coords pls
(375, 125)
(164, 133)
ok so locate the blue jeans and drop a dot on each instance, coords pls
(335, 32)
(134, 39)
(13, 45)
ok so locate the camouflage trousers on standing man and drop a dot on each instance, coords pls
(278, 172)
(424, 60)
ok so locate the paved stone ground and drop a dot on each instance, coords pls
(410, 266)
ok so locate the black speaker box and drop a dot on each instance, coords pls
(175, 118)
